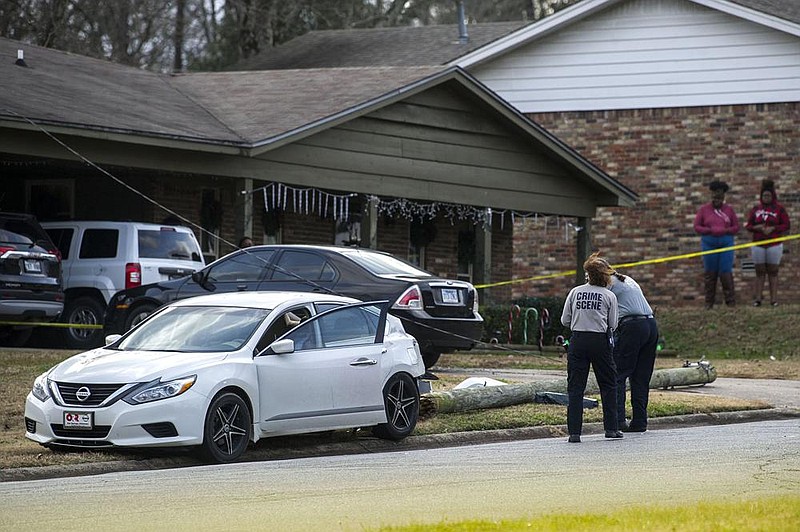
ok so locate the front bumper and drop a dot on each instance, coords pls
(120, 424)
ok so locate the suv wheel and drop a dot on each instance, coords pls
(84, 311)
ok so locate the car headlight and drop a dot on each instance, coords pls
(157, 390)
(40, 389)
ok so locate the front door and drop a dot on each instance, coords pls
(333, 377)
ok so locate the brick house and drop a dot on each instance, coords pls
(663, 95)
(296, 155)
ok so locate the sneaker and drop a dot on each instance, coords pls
(774, 303)
(574, 438)
(634, 429)
(613, 434)
(756, 303)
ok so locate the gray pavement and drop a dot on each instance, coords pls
(783, 395)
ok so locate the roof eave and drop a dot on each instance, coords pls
(586, 8)
(127, 136)
(752, 15)
(531, 32)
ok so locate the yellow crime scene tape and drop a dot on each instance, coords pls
(490, 285)
(52, 324)
(648, 261)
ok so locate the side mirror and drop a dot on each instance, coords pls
(281, 347)
(111, 338)
(201, 278)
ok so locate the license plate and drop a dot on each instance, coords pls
(77, 420)
(33, 266)
(449, 295)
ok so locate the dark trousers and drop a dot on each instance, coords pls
(593, 348)
(635, 356)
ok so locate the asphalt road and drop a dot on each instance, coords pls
(492, 481)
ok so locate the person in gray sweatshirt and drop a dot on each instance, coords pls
(590, 312)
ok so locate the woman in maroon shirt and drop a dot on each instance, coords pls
(767, 220)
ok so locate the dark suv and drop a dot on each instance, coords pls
(442, 314)
(30, 277)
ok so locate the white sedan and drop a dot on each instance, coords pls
(221, 371)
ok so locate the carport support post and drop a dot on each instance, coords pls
(584, 247)
(244, 216)
(369, 229)
(483, 256)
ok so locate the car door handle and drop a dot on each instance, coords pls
(241, 287)
(364, 361)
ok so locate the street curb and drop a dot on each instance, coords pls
(362, 445)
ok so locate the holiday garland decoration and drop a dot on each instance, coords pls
(278, 196)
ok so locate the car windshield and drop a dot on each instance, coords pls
(380, 264)
(195, 329)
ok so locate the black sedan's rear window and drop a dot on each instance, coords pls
(380, 264)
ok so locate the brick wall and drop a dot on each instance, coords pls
(668, 157)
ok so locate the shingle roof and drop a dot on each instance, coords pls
(396, 46)
(232, 107)
(265, 104)
(99, 94)
(783, 9)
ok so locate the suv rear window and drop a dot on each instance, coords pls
(167, 244)
(21, 231)
(99, 244)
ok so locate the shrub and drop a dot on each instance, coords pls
(496, 318)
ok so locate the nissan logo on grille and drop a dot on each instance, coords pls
(82, 394)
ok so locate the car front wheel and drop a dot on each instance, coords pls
(227, 428)
(401, 400)
(88, 312)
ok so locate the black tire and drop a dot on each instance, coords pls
(138, 314)
(84, 310)
(430, 358)
(226, 432)
(401, 400)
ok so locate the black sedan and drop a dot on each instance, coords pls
(442, 314)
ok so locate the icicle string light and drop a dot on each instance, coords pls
(278, 196)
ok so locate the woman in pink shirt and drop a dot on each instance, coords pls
(716, 223)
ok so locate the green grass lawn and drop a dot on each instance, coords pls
(773, 514)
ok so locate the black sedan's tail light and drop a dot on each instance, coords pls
(411, 299)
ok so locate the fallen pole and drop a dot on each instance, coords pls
(467, 399)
